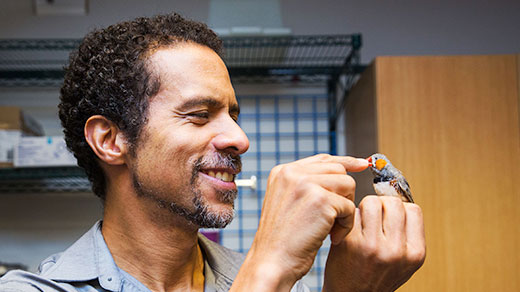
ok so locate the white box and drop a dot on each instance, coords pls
(14, 124)
(8, 141)
(43, 151)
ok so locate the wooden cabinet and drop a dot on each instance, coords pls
(451, 124)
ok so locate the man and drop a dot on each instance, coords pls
(149, 111)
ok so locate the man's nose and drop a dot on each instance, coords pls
(231, 137)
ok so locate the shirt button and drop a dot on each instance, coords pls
(109, 279)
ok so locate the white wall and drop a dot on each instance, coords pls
(17, 19)
(408, 27)
(413, 27)
(34, 226)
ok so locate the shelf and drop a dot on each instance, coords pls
(73, 179)
(44, 179)
(289, 56)
(317, 59)
(311, 58)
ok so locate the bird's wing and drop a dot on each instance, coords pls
(404, 189)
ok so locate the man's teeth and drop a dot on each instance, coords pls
(223, 176)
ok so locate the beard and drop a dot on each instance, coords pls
(199, 213)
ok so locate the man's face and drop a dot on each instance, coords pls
(188, 152)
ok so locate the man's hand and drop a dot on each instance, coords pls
(385, 247)
(304, 202)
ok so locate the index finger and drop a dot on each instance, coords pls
(351, 164)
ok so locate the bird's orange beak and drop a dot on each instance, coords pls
(369, 160)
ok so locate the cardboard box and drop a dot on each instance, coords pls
(14, 124)
(43, 151)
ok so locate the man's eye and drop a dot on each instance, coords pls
(204, 115)
(199, 117)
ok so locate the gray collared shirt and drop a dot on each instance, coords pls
(88, 266)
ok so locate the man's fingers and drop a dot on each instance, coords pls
(343, 185)
(351, 164)
(394, 219)
(322, 168)
(344, 220)
(414, 223)
(371, 210)
(358, 227)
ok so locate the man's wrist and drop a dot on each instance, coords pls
(259, 274)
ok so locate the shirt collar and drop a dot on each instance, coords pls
(224, 262)
(87, 259)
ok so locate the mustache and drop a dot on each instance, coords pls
(219, 160)
(216, 160)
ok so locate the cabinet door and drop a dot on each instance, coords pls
(451, 124)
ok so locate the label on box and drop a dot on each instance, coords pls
(8, 141)
(43, 151)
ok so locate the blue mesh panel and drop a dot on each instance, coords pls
(280, 129)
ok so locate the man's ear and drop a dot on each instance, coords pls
(106, 140)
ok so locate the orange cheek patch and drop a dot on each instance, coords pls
(380, 163)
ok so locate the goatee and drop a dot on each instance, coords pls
(199, 213)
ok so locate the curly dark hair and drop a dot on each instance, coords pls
(108, 75)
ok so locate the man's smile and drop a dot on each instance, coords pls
(223, 175)
(221, 178)
(220, 169)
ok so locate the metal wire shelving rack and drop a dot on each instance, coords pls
(332, 60)
(43, 180)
